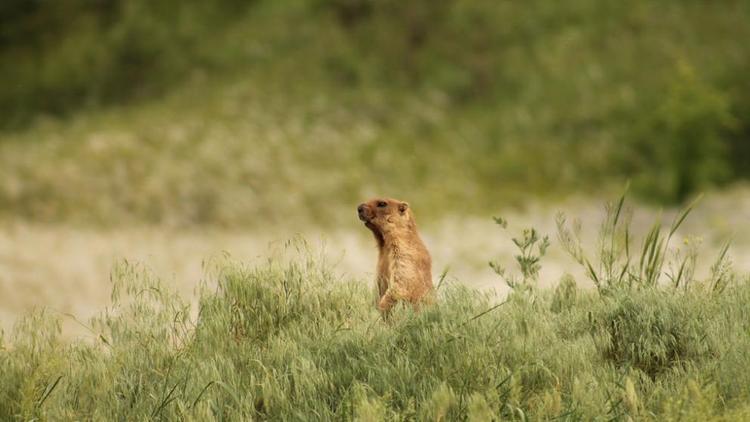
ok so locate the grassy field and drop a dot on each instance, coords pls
(291, 341)
(172, 146)
(290, 338)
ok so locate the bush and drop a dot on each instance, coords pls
(684, 145)
(652, 331)
(65, 55)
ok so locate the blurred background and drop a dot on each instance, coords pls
(170, 131)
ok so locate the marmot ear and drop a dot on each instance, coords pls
(403, 207)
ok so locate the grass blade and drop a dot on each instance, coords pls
(680, 218)
(48, 391)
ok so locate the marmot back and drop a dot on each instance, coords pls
(404, 270)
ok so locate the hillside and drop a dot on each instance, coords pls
(241, 113)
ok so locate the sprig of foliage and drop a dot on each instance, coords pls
(532, 249)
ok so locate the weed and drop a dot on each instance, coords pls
(531, 249)
(618, 265)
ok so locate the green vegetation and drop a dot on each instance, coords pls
(239, 113)
(288, 340)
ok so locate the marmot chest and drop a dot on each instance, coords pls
(406, 260)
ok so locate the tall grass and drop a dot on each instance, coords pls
(620, 263)
(289, 340)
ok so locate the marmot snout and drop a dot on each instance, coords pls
(404, 270)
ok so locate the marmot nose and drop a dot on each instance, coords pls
(361, 208)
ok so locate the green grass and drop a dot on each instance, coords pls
(289, 340)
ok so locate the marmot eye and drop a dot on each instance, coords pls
(382, 204)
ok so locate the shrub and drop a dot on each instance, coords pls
(652, 331)
(684, 145)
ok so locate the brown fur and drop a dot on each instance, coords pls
(404, 271)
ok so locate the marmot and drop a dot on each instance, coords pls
(404, 266)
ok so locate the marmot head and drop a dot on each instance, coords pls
(386, 215)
